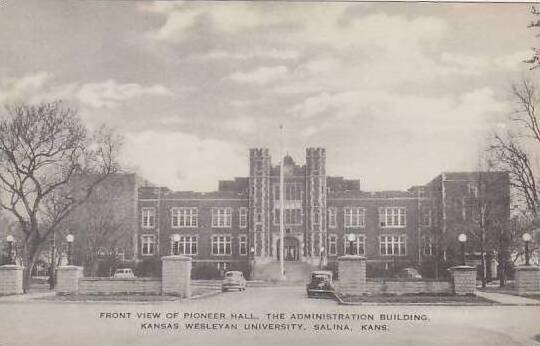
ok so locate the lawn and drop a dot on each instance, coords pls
(417, 299)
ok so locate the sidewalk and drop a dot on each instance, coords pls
(26, 297)
(507, 299)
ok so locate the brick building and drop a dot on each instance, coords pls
(237, 226)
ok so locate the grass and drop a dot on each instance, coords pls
(196, 291)
(417, 299)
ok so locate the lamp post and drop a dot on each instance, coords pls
(251, 261)
(69, 239)
(176, 246)
(351, 238)
(10, 239)
(462, 238)
(321, 252)
(526, 238)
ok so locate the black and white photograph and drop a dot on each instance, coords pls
(269, 173)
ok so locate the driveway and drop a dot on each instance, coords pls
(263, 316)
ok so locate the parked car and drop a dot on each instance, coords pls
(409, 273)
(233, 280)
(320, 284)
(124, 273)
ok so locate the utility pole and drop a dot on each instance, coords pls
(281, 203)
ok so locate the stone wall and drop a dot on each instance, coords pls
(176, 276)
(11, 278)
(352, 274)
(527, 280)
(407, 287)
(463, 280)
(104, 286)
(67, 279)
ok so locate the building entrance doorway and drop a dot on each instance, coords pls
(291, 249)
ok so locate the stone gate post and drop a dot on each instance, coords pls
(176, 276)
(351, 274)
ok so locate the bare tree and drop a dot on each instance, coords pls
(42, 148)
(514, 151)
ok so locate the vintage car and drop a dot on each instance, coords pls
(233, 280)
(409, 273)
(320, 284)
(123, 273)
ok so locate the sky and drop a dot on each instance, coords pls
(395, 92)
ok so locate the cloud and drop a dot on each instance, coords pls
(513, 61)
(261, 76)
(42, 86)
(214, 55)
(153, 155)
(227, 18)
(110, 94)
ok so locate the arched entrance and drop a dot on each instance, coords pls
(291, 249)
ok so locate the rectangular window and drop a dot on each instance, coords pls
(187, 245)
(332, 217)
(222, 217)
(243, 217)
(332, 245)
(428, 246)
(354, 217)
(316, 216)
(357, 246)
(392, 217)
(148, 245)
(148, 217)
(425, 217)
(184, 217)
(258, 216)
(291, 217)
(243, 245)
(292, 192)
(393, 245)
(221, 244)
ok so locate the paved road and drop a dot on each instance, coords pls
(46, 323)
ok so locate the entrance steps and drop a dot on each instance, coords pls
(295, 272)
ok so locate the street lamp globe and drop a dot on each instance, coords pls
(351, 237)
(252, 250)
(176, 237)
(526, 237)
(70, 238)
(322, 249)
(10, 238)
(462, 237)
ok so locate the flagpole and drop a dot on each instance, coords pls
(281, 203)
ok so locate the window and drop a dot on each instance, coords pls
(184, 217)
(473, 189)
(332, 245)
(221, 217)
(425, 216)
(242, 245)
(291, 216)
(148, 244)
(332, 217)
(354, 217)
(293, 192)
(392, 217)
(258, 216)
(243, 217)
(316, 216)
(222, 266)
(148, 217)
(428, 246)
(187, 245)
(221, 245)
(393, 245)
(357, 246)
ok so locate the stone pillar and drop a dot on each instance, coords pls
(351, 274)
(527, 280)
(463, 280)
(67, 280)
(176, 276)
(11, 279)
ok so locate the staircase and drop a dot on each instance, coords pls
(295, 272)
